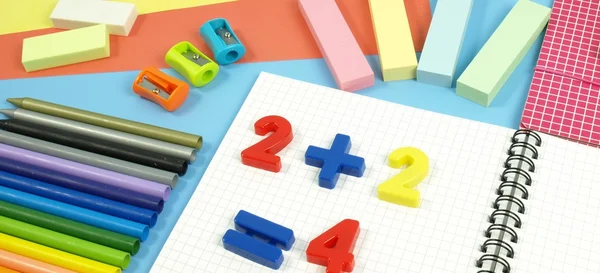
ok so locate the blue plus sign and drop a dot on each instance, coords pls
(334, 161)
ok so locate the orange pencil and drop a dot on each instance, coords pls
(7, 270)
(25, 264)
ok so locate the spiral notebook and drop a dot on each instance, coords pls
(494, 200)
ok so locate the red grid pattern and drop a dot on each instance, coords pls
(564, 94)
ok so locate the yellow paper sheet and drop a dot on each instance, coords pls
(26, 15)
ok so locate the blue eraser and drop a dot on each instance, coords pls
(275, 234)
(253, 249)
(334, 161)
(224, 43)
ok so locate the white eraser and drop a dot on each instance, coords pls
(117, 16)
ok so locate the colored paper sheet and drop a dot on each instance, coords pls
(293, 39)
(419, 18)
(26, 15)
(564, 95)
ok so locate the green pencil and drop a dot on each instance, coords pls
(69, 227)
(64, 242)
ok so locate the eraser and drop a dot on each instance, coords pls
(394, 40)
(253, 225)
(444, 42)
(335, 40)
(502, 53)
(66, 47)
(117, 16)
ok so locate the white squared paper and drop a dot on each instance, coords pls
(443, 235)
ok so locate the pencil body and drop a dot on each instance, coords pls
(70, 227)
(88, 158)
(83, 185)
(26, 264)
(64, 242)
(79, 170)
(53, 256)
(98, 146)
(131, 140)
(83, 200)
(74, 213)
(110, 122)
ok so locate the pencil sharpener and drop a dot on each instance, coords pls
(160, 88)
(223, 42)
(192, 64)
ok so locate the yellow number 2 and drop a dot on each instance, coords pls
(399, 189)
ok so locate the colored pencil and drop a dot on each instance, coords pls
(64, 242)
(88, 158)
(140, 142)
(26, 264)
(70, 227)
(7, 270)
(84, 171)
(107, 121)
(75, 213)
(95, 145)
(54, 256)
(83, 185)
(75, 198)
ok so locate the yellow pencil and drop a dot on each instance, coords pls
(53, 256)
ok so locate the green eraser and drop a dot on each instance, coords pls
(65, 47)
(502, 53)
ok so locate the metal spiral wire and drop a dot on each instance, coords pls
(511, 192)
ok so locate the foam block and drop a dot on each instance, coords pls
(444, 41)
(66, 47)
(335, 40)
(394, 41)
(502, 53)
(71, 14)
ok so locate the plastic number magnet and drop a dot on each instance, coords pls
(160, 88)
(192, 64)
(223, 42)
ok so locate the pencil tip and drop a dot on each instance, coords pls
(15, 101)
(7, 112)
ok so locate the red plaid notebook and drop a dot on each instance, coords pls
(564, 94)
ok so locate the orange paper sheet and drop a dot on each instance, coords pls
(419, 18)
(270, 30)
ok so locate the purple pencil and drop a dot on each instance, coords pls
(76, 169)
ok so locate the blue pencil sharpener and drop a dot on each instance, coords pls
(223, 42)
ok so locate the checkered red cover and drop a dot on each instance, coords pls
(564, 96)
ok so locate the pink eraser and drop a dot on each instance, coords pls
(343, 56)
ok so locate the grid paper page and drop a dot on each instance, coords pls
(564, 94)
(443, 235)
(561, 232)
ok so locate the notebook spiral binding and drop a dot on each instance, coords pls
(515, 179)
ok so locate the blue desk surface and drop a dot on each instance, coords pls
(210, 110)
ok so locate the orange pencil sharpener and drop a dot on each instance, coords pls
(160, 88)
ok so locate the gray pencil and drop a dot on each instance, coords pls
(140, 142)
(85, 157)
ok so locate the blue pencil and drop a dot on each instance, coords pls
(79, 199)
(83, 185)
(86, 216)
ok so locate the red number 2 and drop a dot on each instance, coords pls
(334, 247)
(262, 154)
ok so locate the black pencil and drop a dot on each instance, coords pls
(97, 146)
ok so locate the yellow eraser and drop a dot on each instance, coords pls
(394, 40)
(66, 47)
